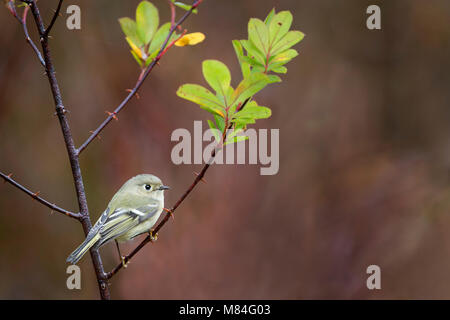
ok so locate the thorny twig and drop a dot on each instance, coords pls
(73, 153)
(199, 177)
(145, 72)
(70, 146)
(35, 196)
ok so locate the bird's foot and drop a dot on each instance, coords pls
(124, 264)
(153, 236)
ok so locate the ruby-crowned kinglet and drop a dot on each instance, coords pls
(132, 211)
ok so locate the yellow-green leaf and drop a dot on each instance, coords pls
(249, 86)
(129, 27)
(202, 96)
(217, 75)
(159, 37)
(245, 67)
(147, 20)
(258, 33)
(290, 39)
(185, 7)
(279, 26)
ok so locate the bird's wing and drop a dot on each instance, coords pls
(124, 219)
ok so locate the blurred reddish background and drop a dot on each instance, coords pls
(364, 157)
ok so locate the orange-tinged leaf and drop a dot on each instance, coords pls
(136, 49)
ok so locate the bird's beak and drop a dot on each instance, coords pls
(164, 188)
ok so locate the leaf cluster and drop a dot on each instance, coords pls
(144, 35)
(267, 49)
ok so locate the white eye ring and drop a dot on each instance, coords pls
(147, 187)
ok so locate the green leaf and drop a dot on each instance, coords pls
(269, 17)
(158, 40)
(250, 86)
(234, 133)
(253, 111)
(278, 70)
(202, 96)
(254, 52)
(159, 37)
(217, 75)
(235, 139)
(129, 27)
(245, 66)
(258, 68)
(290, 39)
(253, 62)
(185, 7)
(214, 130)
(284, 57)
(211, 124)
(279, 26)
(258, 33)
(277, 62)
(147, 20)
(243, 122)
(274, 79)
(227, 98)
(220, 122)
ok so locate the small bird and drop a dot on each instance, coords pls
(132, 211)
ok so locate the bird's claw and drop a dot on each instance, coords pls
(124, 264)
(153, 236)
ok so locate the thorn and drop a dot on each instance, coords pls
(59, 13)
(179, 27)
(113, 114)
(36, 194)
(136, 94)
(50, 37)
(170, 213)
(8, 176)
(201, 179)
(98, 136)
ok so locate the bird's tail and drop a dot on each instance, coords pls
(82, 249)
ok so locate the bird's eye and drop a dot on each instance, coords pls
(148, 187)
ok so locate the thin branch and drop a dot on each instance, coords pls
(170, 212)
(172, 13)
(35, 196)
(70, 146)
(55, 16)
(148, 239)
(73, 153)
(140, 81)
(23, 23)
